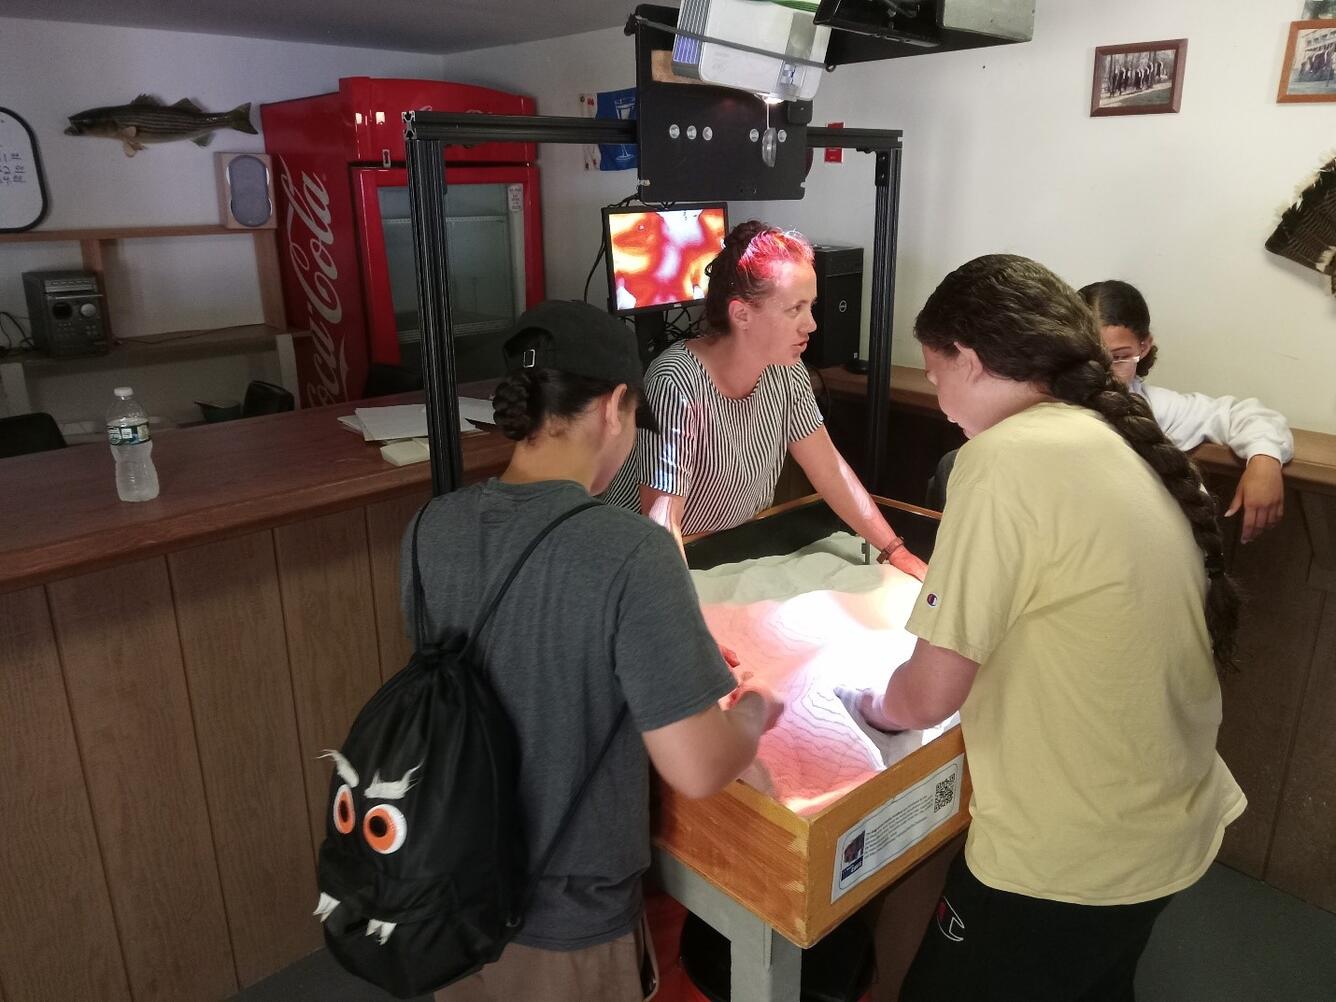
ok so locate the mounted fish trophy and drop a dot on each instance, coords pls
(148, 120)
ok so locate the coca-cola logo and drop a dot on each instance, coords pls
(310, 253)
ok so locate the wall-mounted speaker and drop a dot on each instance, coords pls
(245, 191)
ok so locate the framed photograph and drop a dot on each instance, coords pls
(1309, 71)
(1319, 8)
(1141, 79)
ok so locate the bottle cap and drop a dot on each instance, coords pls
(123, 391)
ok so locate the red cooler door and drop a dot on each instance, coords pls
(496, 265)
(378, 104)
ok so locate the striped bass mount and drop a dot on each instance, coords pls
(148, 120)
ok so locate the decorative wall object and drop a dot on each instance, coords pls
(1306, 232)
(147, 120)
(1144, 78)
(1309, 71)
(22, 189)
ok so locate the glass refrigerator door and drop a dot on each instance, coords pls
(486, 234)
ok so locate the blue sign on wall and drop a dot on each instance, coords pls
(618, 104)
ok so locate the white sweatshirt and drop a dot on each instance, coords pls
(1245, 426)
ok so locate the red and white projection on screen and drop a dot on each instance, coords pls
(659, 257)
(809, 624)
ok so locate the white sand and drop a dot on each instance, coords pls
(809, 623)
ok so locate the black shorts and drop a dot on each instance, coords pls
(985, 944)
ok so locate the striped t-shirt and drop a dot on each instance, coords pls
(723, 455)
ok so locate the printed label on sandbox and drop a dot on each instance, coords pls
(897, 826)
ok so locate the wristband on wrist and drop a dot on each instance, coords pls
(896, 543)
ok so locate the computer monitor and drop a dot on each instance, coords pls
(657, 257)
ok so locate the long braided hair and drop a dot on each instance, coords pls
(527, 399)
(1028, 325)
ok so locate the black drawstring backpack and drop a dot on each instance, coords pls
(423, 872)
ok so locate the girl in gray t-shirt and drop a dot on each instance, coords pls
(602, 616)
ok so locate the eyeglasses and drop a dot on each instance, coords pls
(1122, 361)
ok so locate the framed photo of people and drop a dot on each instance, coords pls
(1309, 71)
(1145, 78)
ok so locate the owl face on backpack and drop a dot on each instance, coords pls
(423, 873)
(370, 819)
(423, 864)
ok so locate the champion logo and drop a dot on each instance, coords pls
(949, 923)
(932, 600)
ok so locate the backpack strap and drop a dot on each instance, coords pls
(567, 818)
(486, 616)
(420, 631)
(420, 594)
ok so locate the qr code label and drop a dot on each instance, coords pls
(895, 827)
(944, 794)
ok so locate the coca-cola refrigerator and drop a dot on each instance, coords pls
(345, 240)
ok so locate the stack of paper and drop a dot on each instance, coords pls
(406, 451)
(390, 424)
(386, 424)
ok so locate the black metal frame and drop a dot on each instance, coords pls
(428, 133)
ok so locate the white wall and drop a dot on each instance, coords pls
(49, 71)
(1001, 155)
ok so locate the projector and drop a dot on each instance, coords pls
(763, 46)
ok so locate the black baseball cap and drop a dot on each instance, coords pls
(583, 340)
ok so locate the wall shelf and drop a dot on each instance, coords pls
(17, 368)
(123, 233)
(95, 243)
(172, 346)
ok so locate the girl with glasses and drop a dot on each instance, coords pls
(1256, 434)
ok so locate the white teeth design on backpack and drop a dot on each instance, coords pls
(324, 908)
(375, 927)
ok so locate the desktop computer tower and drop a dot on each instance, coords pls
(838, 309)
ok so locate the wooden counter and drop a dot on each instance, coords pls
(1313, 467)
(169, 673)
(219, 480)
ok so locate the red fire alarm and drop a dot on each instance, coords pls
(834, 154)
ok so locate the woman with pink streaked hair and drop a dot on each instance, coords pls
(734, 402)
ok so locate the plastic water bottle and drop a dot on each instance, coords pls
(127, 430)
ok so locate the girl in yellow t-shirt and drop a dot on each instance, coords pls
(1075, 611)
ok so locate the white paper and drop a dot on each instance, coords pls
(475, 410)
(406, 452)
(389, 424)
(896, 826)
(385, 424)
